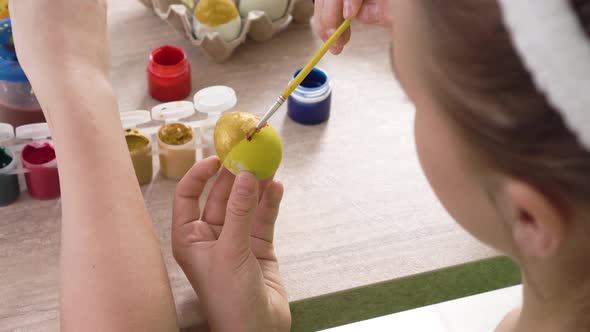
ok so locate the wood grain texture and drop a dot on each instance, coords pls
(357, 209)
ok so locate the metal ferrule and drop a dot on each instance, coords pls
(273, 109)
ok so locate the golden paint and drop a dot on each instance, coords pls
(175, 134)
(216, 12)
(231, 129)
(4, 13)
(178, 151)
(260, 154)
(135, 140)
(140, 148)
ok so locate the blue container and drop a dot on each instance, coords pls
(18, 103)
(310, 103)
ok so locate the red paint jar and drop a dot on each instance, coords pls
(38, 158)
(169, 74)
(42, 178)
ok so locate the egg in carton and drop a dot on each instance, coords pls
(227, 23)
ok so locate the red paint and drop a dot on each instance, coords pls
(40, 155)
(169, 74)
(254, 132)
(42, 178)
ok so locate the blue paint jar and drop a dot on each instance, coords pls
(311, 101)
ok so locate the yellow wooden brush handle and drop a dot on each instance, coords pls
(316, 58)
(301, 76)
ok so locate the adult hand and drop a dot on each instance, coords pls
(227, 251)
(329, 14)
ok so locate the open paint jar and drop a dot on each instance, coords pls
(177, 145)
(139, 144)
(169, 74)
(311, 101)
(18, 104)
(213, 101)
(9, 188)
(38, 158)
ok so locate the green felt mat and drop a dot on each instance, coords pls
(403, 294)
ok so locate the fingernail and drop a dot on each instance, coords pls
(245, 184)
(215, 168)
(347, 9)
(336, 49)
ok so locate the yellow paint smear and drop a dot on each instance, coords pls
(215, 12)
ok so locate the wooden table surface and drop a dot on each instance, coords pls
(357, 209)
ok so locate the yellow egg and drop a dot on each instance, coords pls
(217, 16)
(4, 9)
(260, 155)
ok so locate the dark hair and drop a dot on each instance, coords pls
(485, 90)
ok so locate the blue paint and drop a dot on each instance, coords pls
(310, 103)
(10, 69)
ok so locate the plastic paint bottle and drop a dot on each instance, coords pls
(18, 104)
(169, 74)
(311, 101)
(9, 187)
(139, 144)
(38, 157)
(177, 143)
(213, 101)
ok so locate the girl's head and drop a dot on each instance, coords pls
(499, 157)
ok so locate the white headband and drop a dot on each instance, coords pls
(555, 48)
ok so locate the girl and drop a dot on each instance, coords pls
(502, 132)
(502, 145)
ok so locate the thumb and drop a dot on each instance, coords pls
(241, 208)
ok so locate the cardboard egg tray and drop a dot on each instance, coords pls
(257, 25)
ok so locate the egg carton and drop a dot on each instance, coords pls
(257, 25)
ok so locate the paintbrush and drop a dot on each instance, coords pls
(301, 76)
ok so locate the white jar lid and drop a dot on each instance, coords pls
(6, 132)
(133, 119)
(215, 99)
(35, 131)
(173, 111)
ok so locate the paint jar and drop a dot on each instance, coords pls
(9, 187)
(139, 144)
(18, 104)
(311, 101)
(213, 101)
(177, 144)
(38, 158)
(169, 74)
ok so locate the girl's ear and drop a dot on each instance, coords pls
(537, 223)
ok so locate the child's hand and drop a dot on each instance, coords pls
(329, 14)
(227, 251)
(61, 41)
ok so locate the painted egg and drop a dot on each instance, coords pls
(260, 155)
(217, 16)
(4, 13)
(275, 9)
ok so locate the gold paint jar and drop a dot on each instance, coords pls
(139, 144)
(178, 151)
(177, 144)
(140, 148)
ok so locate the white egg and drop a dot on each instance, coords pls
(274, 8)
(228, 31)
